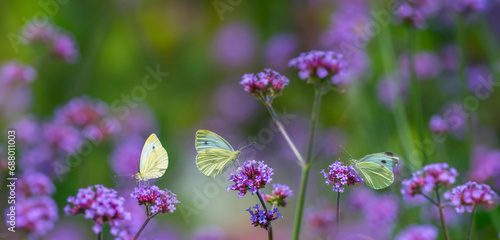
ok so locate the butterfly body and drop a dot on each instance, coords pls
(154, 160)
(214, 153)
(376, 169)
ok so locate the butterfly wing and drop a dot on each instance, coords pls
(209, 140)
(154, 159)
(374, 175)
(212, 162)
(386, 159)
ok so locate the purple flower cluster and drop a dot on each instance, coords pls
(252, 175)
(321, 220)
(264, 85)
(467, 197)
(426, 66)
(438, 124)
(318, 64)
(433, 176)
(89, 115)
(418, 232)
(469, 6)
(33, 183)
(36, 214)
(160, 201)
(61, 44)
(415, 12)
(263, 218)
(391, 89)
(102, 205)
(340, 175)
(278, 195)
(485, 164)
(15, 73)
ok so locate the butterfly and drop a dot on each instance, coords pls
(154, 160)
(376, 169)
(214, 153)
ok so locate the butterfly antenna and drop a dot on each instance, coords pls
(346, 151)
(124, 175)
(248, 145)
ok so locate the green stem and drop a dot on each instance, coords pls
(99, 236)
(470, 222)
(305, 170)
(430, 199)
(415, 88)
(270, 232)
(144, 226)
(300, 204)
(281, 127)
(338, 212)
(441, 216)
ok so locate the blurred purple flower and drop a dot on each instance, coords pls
(138, 121)
(469, 6)
(209, 233)
(359, 198)
(381, 211)
(15, 101)
(39, 157)
(330, 139)
(438, 124)
(467, 197)
(358, 66)
(390, 90)
(433, 175)
(252, 175)
(279, 49)
(27, 130)
(128, 228)
(318, 64)
(36, 31)
(263, 218)
(264, 85)
(65, 230)
(35, 183)
(340, 175)
(480, 80)
(456, 118)
(90, 115)
(234, 45)
(416, 12)
(278, 195)
(321, 220)
(485, 164)
(418, 232)
(62, 137)
(449, 58)
(160, 201)
(15, 73)
(427, 65)
(65, 48)
(126, 155)
(103, 205)
(36, 215)
(234, 106)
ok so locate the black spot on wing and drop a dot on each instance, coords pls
(384, 161)
(390, 154)
(206, 142)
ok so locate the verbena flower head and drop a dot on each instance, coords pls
(36, 31)
(264, 85)
(427, 65)
(15, 73)
(485, 164)
(65, 48)
(392, 89)
(92, 116)
(469, 6)
(467, 197)
(415, 12)
(418, 232)
(102, 205)
(279, 49)
(340, 175)
(263, 218)
(433, 175)
(35, 183)
(279, 195)
(438, 124)
(160, 201)
(61, 137)
(318, 65)
(36, 215)
(251, 176)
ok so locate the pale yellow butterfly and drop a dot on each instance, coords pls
(214, 153)
(154, 160)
